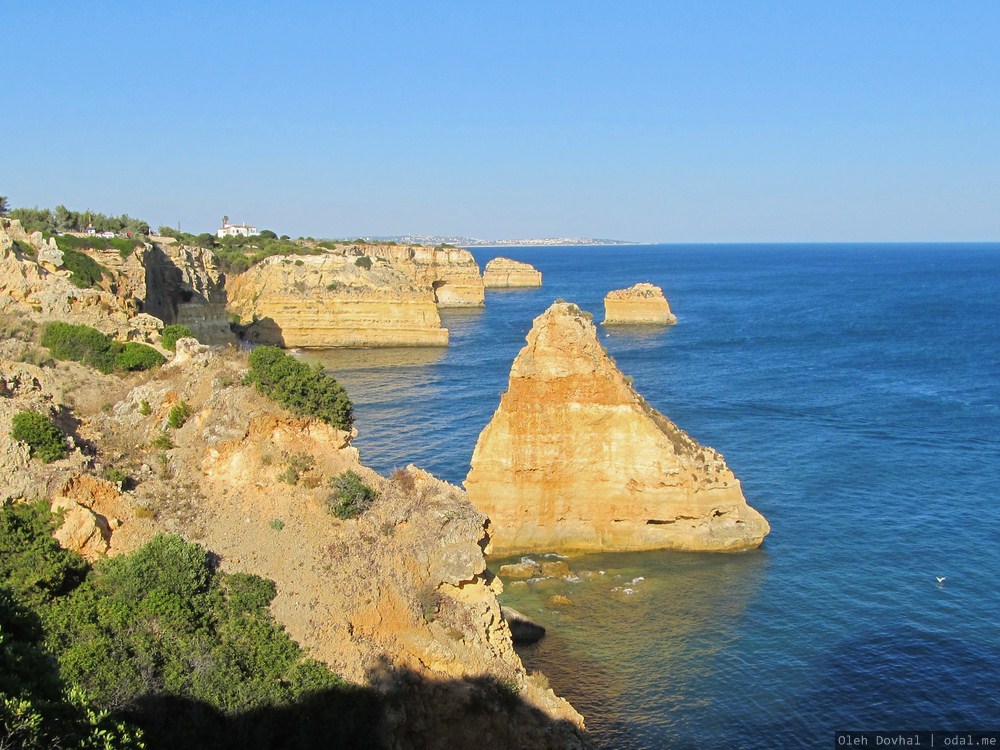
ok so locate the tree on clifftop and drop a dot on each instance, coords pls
(4, 206)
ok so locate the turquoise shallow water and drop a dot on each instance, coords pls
(855, 390)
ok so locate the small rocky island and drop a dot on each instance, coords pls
(639, 304)
(575, 460)
(504, 273)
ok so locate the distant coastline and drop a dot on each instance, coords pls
(414, 239)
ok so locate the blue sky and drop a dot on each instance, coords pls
(651, 121)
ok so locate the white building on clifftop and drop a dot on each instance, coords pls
(235, 230)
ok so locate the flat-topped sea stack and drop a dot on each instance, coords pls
(504, 273)
(451, 273)
(642, 304)
(574, 460)
(320, 301)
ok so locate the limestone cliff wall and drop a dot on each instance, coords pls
(504, 273)
(639, 304)
(35, 284)
(575, 460)
(329, 301)
(451, 273)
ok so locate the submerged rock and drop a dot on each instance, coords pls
(522, 629)
(575, 460)
(639, 304)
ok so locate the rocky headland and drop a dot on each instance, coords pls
(640, 304)
(332, 300)
(575, 460)
(398, 601)
(504, 273)
(451, 273)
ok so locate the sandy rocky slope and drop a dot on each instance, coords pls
(399, 599)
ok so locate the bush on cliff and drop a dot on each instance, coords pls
(80, 343)
(135, 356)
(305, 390)
(45, 441)
(351, 496)
(175, 331)
(158, 637)
(85, 272)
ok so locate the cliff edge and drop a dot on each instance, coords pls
(575, 460)
(330, 300)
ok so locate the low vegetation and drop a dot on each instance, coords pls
(80, 343)
(44, 440)
(156, 648)
(63, 219)
(84, 271)
(236, 254)
(305, 390)
(170, 334)
(178, 415)
(350, 497)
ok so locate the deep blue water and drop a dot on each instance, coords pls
(855, 390)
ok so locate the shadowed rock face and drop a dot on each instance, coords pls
(575, 460)
(639, 304)
(329, 301)
(504, 273)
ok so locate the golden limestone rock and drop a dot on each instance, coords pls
(504, 273)
(329, 300)
(639, 304)
(575, 460)
(451, 273)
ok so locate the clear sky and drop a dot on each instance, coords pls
(692, 121)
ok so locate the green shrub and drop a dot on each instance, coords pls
(364, 262)
(45, 441)
(132, 356)
(85, 272)
(163, 442)
(305, 390)
(277, 524)
(179, 415)
(79, 343)
(117, 476)
(173, 332)
(351, 496)
(144, 408)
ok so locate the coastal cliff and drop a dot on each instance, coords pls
(575, 460)
(451, 273)
(504, 273)
(639, 304)
(330, 300)
(397, 601)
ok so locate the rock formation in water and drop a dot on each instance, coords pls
(575, 460)
(639, 304)
(330, 300)
(451, 273)
(504, 273)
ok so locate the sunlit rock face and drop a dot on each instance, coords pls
(451, 273)
(575, 460)
(329, 300)
(640, 304)
(504, 273)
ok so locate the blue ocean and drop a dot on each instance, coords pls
(855, 391)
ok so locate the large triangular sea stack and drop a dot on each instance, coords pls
(575, 460)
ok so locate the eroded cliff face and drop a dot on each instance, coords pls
(451, 273)
(328, 301)
(640, 304)
(575, 460)
(399, 599)
(34, 284)
(504, 273)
